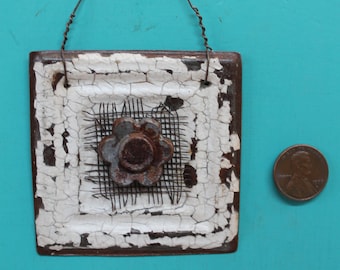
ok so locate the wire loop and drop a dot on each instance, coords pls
(62, 50)
(205, 39)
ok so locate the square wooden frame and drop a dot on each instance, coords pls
(187, 69)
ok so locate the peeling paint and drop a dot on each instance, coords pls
(75, 215)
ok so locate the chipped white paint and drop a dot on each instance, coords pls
(70, 207)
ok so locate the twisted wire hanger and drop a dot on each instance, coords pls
(208, 49)
(62, 50)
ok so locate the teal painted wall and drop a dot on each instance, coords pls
(291, 93)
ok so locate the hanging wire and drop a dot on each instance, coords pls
(205, 39)
(208, 49)
(70, 21)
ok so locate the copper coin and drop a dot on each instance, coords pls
(300, 172)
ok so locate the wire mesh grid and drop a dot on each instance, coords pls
(171, 183)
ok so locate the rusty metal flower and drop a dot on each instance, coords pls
(136, 151)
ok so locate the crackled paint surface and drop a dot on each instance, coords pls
(70, 215)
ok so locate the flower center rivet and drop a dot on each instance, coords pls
(136, 152)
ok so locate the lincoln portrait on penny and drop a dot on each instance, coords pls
(300, 185)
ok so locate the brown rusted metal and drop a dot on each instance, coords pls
(136, 151)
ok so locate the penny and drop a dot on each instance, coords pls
(300, 172)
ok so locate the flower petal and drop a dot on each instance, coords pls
(108, 148)
(151, 176)
(121, 177)
(123, 126)
(151, 127)
(166, 148)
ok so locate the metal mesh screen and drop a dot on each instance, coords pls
(171, 183)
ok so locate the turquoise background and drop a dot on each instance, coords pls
(291, 93)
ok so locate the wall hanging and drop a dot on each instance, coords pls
(135, 152)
